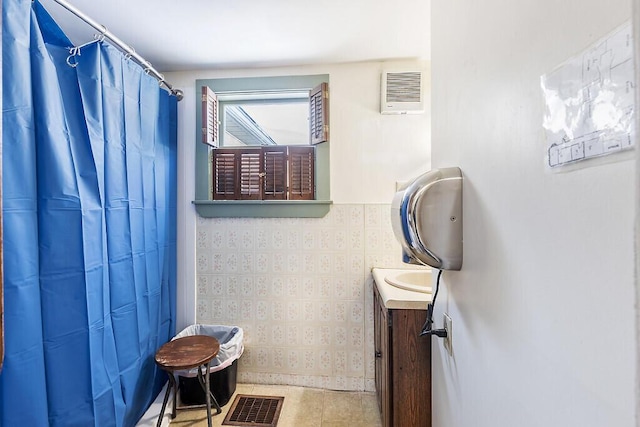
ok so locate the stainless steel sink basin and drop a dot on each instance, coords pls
(417, 281)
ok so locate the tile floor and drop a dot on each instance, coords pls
(302, 407)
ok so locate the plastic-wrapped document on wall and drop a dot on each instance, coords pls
(590, 102)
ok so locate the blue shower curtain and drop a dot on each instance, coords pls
(89, 208)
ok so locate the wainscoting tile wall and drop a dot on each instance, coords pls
(302, 291)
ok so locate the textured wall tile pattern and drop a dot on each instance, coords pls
(301, 289)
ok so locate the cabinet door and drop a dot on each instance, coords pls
(411, 367)
(382, 359)
(377, 347)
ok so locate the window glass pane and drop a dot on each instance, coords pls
(254, 124)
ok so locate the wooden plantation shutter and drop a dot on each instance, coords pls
(209, 117)
(319, 113)
(236, 174)
(249, 167)
(274, 161)
(266, 173)
(225, 170)
(301, 173)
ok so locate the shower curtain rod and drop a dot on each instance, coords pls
(148, 68)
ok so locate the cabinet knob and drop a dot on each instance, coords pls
(378, 354)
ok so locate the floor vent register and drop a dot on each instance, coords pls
(254, 411)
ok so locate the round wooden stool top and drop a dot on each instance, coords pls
(187, 352)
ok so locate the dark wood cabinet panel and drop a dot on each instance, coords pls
(402, 366)
(382, 358)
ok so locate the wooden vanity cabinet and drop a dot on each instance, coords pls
(402, 366)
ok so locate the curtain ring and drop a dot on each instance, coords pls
(73, 52)
(129, 54)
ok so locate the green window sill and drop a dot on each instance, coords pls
(262, 208)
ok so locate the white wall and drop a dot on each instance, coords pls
(369, 153)
(636, 35)
(543, 309)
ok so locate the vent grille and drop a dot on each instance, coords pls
(404, 87)
(255, 411)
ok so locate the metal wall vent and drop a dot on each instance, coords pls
(254, 411)
(402, 92)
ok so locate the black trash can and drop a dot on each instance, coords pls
(223, 370)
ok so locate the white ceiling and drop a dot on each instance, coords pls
(179, 35)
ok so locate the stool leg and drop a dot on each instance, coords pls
(207, 380)
(205, 388)
(174, 386)
(166, 399)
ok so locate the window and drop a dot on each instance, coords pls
(265, 118)
(268, 144)
(252, 123)
(263, 173)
